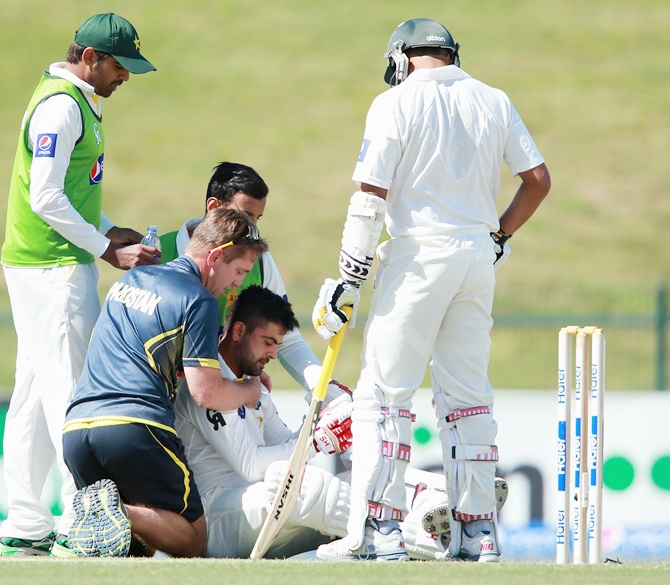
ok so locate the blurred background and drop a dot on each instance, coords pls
(285, 87)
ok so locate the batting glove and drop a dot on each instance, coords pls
(502, 254)
(333, 431)
(327, 316)
(336, 390)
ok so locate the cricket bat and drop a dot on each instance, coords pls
(289, 490)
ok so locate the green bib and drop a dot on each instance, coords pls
(29, 240)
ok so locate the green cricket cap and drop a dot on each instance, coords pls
(109, 33)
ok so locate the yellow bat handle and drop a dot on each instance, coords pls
(329, 360)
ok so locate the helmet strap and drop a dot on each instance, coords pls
(401, 62)
(457, 59)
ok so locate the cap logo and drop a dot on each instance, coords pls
(436, 38)
(137, 43)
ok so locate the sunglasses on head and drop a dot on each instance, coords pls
(252, 234)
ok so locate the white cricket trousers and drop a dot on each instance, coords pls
(235, 517)
(433, 299)
(54, 311)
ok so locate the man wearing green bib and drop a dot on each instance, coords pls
(55, 231)
(241, 187)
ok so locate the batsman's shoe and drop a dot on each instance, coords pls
(436, 520)
(479, 542)
(21, 547)
(383, 541)
(61, 548)
(101, 527)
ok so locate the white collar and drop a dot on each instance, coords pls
(183, 237)
(58, 70)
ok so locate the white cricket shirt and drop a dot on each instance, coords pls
(437, 142)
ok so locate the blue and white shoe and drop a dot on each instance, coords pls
(383, 541)
(101, 527)
(479, 542)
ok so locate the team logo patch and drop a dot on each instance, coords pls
(216, 419)
(95, 176)
(45, 145)
(364, 149)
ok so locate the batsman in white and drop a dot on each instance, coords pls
(429, 167)
(238, 458)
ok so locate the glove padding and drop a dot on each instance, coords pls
(273, 480)
(333, 391)
(333, 431)
(327, 317)
(507, 252)
(502, 252)
(336, 390)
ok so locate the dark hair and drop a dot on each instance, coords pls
(231, 178)
(256, 306)
(76, 52)
(440, 52)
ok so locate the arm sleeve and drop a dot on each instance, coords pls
(521, 154)
(275, 431)
(271, 277)
(295, 354)
(106, 224)
(381, 148)
(60, 115)
(298, 359)
(236, 444)
(201, 333)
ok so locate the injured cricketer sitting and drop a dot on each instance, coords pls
(239, 457)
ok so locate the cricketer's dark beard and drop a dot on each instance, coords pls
(246, 361)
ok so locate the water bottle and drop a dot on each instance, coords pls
(151, 238)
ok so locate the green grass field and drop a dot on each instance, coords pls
(186, 572)
(284, 87)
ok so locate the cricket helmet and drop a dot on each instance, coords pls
(418, 32)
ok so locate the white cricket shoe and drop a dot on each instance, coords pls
(383, 541)
(479, 542)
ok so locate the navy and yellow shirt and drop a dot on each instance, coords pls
(254, 277)
(155, 320)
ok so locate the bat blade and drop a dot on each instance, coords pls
(289, 490)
